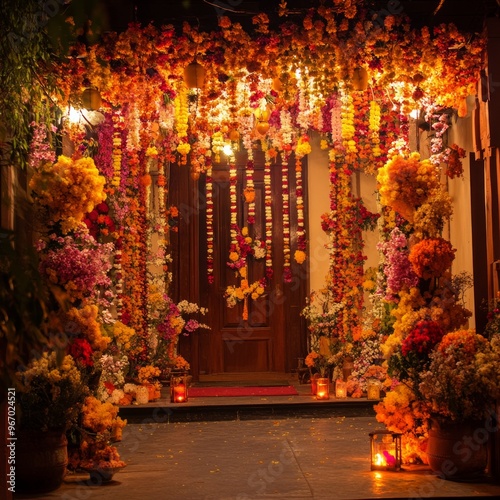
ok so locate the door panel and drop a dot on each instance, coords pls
(259, 344)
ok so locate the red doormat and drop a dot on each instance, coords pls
(232, 392)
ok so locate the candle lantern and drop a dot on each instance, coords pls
(385, 450)
(323, 388)
(314, 384)
(373, 389)
(340, 389)
(178, 388)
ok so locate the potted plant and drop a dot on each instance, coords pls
(460, 389)
(52, 394)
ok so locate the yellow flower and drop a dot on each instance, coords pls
(300, 256)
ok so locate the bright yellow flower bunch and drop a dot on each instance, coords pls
(85, 320)
(69, 189)
(405, 183)
(148, 373)
(123, 335)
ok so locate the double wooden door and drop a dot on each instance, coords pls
(274, 335)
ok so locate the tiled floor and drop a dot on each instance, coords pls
(263, 448)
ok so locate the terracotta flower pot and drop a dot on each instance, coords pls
(41, 460)
(457, 450)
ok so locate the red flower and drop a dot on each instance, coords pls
(423, 338)
(81, 351)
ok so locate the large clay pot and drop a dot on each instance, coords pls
(457, 451)
(41, 460)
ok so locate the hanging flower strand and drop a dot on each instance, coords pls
(181, 123)
(210, 224)
(287, 272)
(268, 217)
(249, 191)
(303, 148)
(374, 127)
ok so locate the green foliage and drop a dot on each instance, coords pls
(26, 78)
(28, 311)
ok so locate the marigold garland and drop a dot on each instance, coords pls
(268, 202)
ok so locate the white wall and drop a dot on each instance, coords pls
(318, 203)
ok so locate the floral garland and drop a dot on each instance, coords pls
(249, 191)
(181, 122)
(347, 123)
(210, 224)
(303, 148)
(268, 207)
(285, 196)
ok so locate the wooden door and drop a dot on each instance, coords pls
(273, 337)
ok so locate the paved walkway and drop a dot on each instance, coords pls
(285, 458)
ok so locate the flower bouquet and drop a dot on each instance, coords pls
(52, 393)
(463, 378)
(99, 426)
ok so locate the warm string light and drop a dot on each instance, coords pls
(210, 224)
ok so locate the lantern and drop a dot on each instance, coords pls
(385, 450)
(178, 388)
(262, 114)
(323, 388)
(91, 99)
(194, 75)
(142, 395)
(360, 79)
(340, 389)
(262, 128)
(314, 384)
(373, 389)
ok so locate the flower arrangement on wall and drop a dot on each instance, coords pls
(424, 299)
(350, 85)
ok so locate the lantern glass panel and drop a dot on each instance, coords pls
(323, 388)
(385, 450)
(178, 389)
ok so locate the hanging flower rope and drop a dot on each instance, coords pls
(268, 204)
(210, 224)
(249, 191)
(287, 271)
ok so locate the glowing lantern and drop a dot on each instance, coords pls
(91, 99)
(340, 389)
(194, 76)
(385, 450)
(234, 135)
(262, 128)
(373, 389)
(360, 79)
(262, 114)
(178, 388)
(314, 384)
(322, 388)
